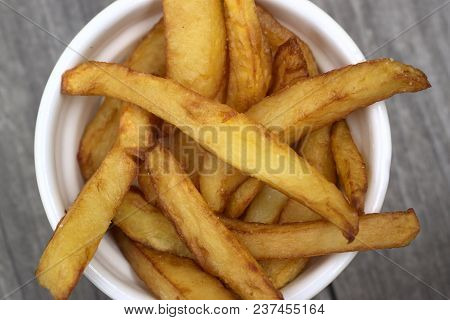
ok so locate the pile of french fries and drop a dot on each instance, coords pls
(220, 158)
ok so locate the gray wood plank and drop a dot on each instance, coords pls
(326, 294)
(421, 143)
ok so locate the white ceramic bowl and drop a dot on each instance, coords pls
(109, 37)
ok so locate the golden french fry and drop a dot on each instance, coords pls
(187, 152)
(275, 33)
(217, 181)
(308, 239)
(329, 97)
(283, 271)
(79, 232)
(242, 197)
(168, 276)
(194, 114)
(250, 55)
(316, 149)
(291, 65)
(350, 165)
(296, 212)
(196, 44)
(292, 240)
(101, 132)
(266, 206)
(144, 223)
(212, 245)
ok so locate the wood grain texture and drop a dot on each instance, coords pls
(420, 171)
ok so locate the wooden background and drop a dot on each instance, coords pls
(413, 31)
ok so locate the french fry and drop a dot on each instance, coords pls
(296, 212)
(266, 206)
(350, 165)
(292, 240)
(316, 149)
(275, 33)
(309, 239)
(283, 271)
(196, 44)
(331, 96)
(367, 82)
(217, 181)
(101, 132)
(250, 55)
(144, 223)
(187, 152)
(213, 246)
(242, 197)
(168, 276)
(292, 62)
(79, 232)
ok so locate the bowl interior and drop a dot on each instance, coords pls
(109, 37)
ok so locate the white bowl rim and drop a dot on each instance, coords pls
(46, 126)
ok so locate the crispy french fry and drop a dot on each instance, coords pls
(250, 55)
(266, 206)
(99, 137)
(242, 197)
(212, 245)
(316, 149)
(331, 96)
(283, 271)
(376, 231)
(196, 44)
(187, 152)
(79, 232)
(294, 240)
(168, 276)
(291, 64)
(193, 113)
(350, 165)
(296, 212)
(144, 223)
(101, 132)
(217, 182)
(275, 33)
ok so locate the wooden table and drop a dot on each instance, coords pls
(413, 31)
